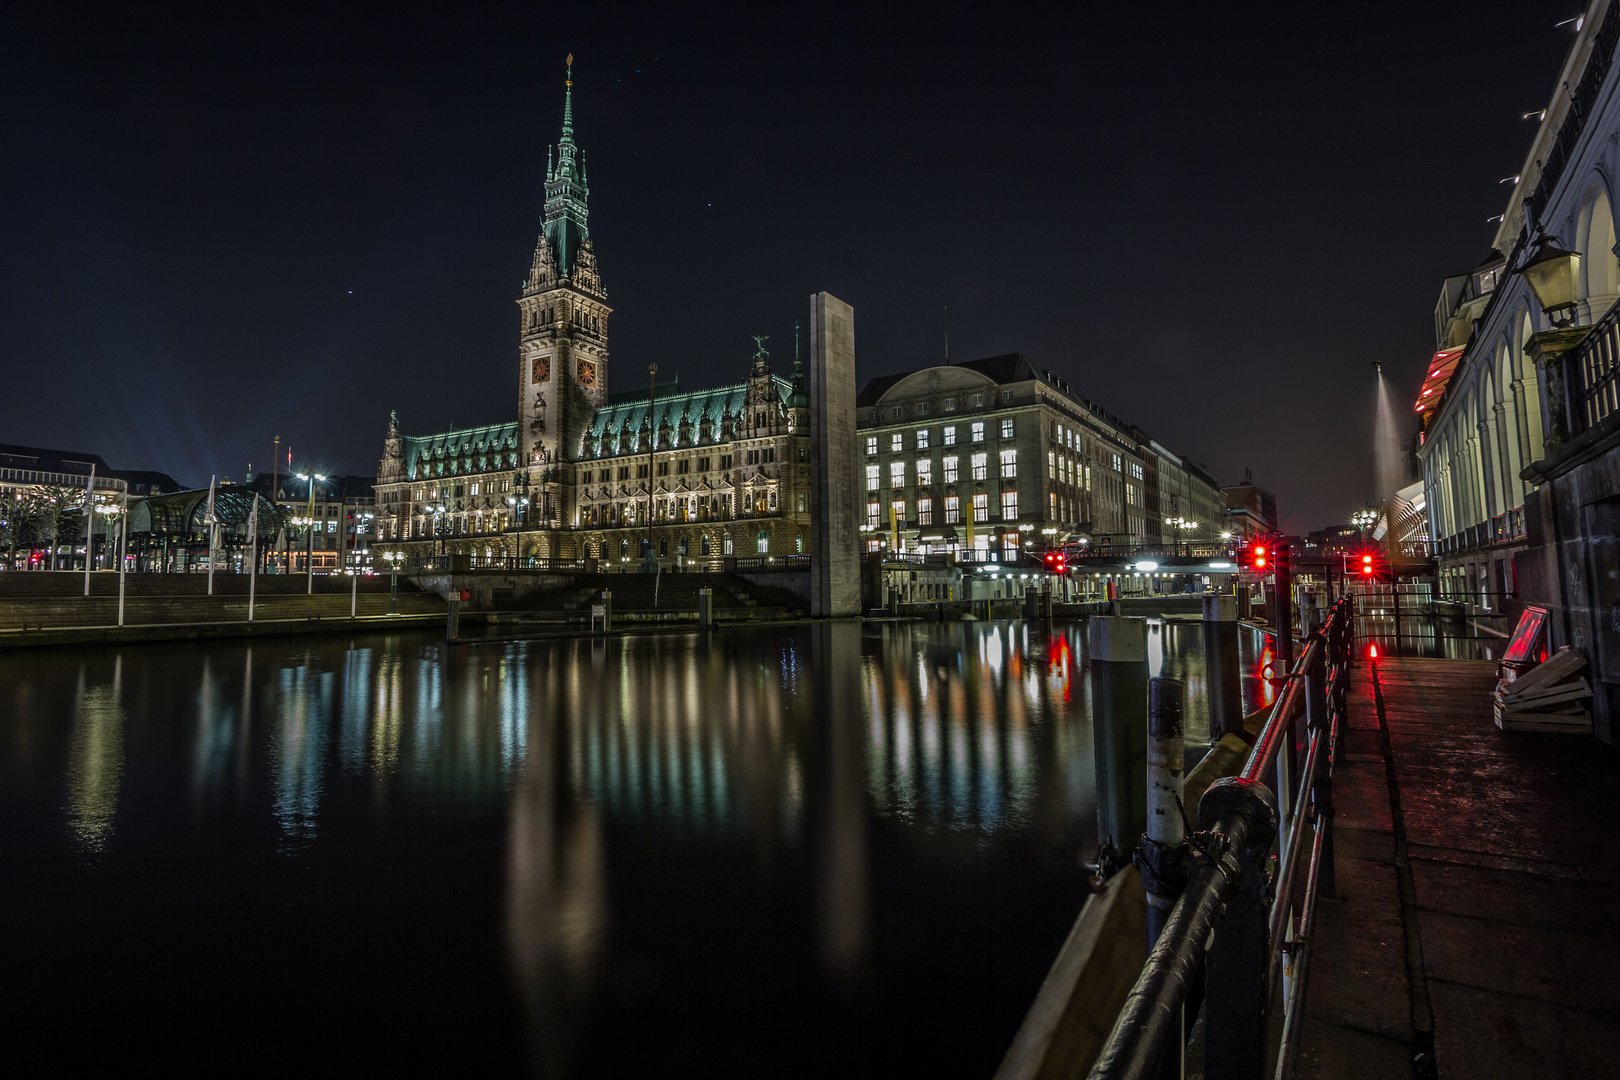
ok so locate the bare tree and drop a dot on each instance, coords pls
(52, 516)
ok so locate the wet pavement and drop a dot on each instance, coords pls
(1475, 932)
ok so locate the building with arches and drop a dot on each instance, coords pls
(583, 473)
(1520, 440)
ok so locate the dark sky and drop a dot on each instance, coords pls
(1209, 218)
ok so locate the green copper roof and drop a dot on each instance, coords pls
(566, 190)
(628, 412)
(455, 453)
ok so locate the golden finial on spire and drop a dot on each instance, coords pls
(570, 80)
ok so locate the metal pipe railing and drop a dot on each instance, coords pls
(1227, 888)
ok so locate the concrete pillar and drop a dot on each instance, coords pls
(1222, 675)
(1119, 683)
(834, 562)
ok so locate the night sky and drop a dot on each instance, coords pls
(1209, 219)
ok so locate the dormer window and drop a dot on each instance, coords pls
(1487, 280)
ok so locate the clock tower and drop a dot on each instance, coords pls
(562, 349)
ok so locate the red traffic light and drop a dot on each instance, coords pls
(1367, 565)
(1260, 557)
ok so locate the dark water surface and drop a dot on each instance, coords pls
(811, 851)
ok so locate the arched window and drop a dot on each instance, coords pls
(762, 542)
(725, 544)
(1600, 272)
(705, 543)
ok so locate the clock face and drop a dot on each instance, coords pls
(586, 373)
(540, 369)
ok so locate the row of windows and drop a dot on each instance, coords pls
(897, 440)
(762, 546)
(682, 467)
(1066, 470)
(978, 465)
(951, 505)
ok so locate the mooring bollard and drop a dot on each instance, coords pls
(705, 607)
(1119, 676)
(452, 622)
(1161, 857)
(1221, 662)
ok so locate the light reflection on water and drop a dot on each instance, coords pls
(743, 837)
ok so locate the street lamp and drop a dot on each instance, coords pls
(438, 530)
(393, 559)
(519, 504)
(309, 556)
(1552, 273)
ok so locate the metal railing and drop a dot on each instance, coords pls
(1222, 922)
(1504, 528)
(1594, 366)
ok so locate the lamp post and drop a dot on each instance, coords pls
(519, 504)
(393, 559)
(437, 509)
(309, 555)
(652, 445)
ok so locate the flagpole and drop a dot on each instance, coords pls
(123, 555)
(89, 509)
(208, 520)
(253, 532)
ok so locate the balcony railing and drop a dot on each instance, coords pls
(1501, 529)
(1593, 366)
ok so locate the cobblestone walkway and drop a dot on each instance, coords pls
(1477, 929)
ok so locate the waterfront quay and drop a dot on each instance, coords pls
(1474, 932)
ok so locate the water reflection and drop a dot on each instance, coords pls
(751, 839)
(95, 767)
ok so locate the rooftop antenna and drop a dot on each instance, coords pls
(947, 333)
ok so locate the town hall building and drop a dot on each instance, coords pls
(585, 473)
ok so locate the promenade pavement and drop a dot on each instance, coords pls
(1476, 932)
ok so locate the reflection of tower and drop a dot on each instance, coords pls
(835, 659)
(562, 342)
(556, 883)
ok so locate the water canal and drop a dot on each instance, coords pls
(819, 850)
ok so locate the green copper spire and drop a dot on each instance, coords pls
(566, 190)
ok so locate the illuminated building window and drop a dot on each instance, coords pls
(872, 510)
(871, 444)
(950, 470)
(978, 431)
(1009, 505)
(925, 471)
(898, 509)
(1007, 427)
(897, 442)
(981, 507)
(897, 474)
(925, 511)
(953, 510)
(980, 468)
(950, 436)
(1009, 463)
(922, 439)
(873, 478)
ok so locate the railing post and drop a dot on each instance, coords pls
(1319, 717)
(1235, 965)
(1118, 653)
(1161, 854)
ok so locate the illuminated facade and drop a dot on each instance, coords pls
(583, 473)
(1520, 404)
(987, 457)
